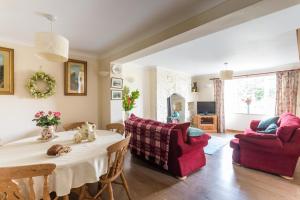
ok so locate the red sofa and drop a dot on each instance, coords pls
(184, 157)
(274, 153)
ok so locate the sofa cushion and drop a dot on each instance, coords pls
(285, 133)
(288, 119)
(194, 132)
(184, 129)
(263, 124)
(270, 129)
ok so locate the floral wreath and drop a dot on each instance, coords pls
(35, 91)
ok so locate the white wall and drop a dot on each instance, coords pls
(143, 79)
(18, 110)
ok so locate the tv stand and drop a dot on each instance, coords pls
(208, 123)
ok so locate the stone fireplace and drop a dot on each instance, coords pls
(176, 108)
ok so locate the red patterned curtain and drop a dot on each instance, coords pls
(219, 98)
(286, 94)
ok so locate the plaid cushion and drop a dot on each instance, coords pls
(150, 139)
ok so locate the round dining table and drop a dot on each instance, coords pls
(86, 162)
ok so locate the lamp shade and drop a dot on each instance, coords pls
(226, 74)
(52, 47)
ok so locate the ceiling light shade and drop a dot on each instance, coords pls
(52, 47)
(226, 74)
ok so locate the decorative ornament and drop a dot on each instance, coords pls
(85, 132)
(41, 85)
(116, 69)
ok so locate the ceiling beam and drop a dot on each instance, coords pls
(221, 10)
(298, 41)
(226, 14)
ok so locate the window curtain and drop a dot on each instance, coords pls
(286, 94)
(219, 98)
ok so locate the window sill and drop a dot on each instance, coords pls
(249, 114)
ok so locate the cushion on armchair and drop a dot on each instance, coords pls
(263, 124)
(194, 132)
(270, 129)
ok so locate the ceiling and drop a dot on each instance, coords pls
(265, 42)
(95, 26)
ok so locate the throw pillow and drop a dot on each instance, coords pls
(184, 129)
(195, 132)
(263, 124)
(270, 129)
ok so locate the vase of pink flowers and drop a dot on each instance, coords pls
(48, 122)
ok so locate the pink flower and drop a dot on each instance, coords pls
(57, 114)
(37, 115)
(49, 112)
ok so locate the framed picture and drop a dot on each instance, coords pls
(6, 71)
(116, 95)
(117, 83)
(75, 78)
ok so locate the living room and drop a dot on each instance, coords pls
(140, 99)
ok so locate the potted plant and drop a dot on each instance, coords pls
(128, 100)
(48, 122)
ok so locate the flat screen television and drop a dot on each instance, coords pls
(206, 107)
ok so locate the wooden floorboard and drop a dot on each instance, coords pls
(218, 180)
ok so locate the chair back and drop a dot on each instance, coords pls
(116, 127)
(116, 155)
(9, 188)
(73, 126)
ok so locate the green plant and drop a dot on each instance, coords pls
(129, 98)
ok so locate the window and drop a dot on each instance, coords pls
(255, 95)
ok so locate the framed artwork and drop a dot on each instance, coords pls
(116, 95)
(117, 83)
(6, 71)
(75, 78)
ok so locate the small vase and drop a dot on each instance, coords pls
(248, 109)
(125, 115)
(48, 132)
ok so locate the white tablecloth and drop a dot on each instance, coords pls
(84, 164)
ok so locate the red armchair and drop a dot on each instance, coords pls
(274, 153)
(184, 156)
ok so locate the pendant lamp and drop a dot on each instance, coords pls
(51, 46)
(226, 74)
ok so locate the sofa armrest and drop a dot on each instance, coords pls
(186, 148)
(264, 142)
(254, 124)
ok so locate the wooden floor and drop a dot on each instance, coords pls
(218, 180)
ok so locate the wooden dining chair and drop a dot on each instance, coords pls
(73, 126)
(116, 156)
(9, 188)
(116, 127)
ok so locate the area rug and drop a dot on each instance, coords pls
(215, 144)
